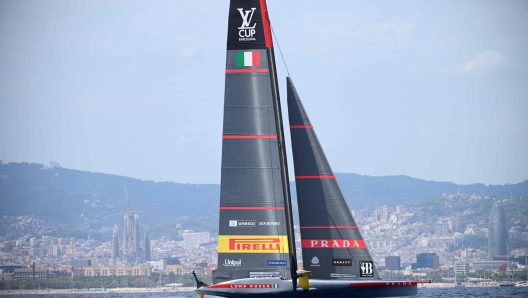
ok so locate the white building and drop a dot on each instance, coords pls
(193, 240)
(461, 268)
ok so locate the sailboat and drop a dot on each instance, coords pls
(256, 243)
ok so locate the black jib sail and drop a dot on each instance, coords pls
(252, 239)
(332, 245)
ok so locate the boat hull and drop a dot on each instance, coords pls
(276, 287)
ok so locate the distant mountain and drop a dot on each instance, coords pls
(95, 199)
(369, 191)
(92, 200)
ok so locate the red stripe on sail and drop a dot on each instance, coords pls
(266, 24)
(384, 283)
(252, 208)
(249, 137)
(247, 70)
(314, 177)
(301, 126)
(329, 227)
(333, 243)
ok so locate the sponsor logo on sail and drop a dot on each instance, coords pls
(332, 243)
(252, 244)
(242, 223)
(366, 269)
(269, 223)
(232, 263)
(341, 262)
(246, 31)
(277, 263)
(315, 262)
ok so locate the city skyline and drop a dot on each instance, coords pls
(390, 233)
(436, 92)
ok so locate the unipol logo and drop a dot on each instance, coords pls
(246, 31)
(367, 269)
(232, 263)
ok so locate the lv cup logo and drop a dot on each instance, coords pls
(246, 31)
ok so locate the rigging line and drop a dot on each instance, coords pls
(288, 72)
(280, 145)
(270, 142)
(280, 51)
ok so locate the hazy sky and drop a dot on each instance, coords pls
(136, 88)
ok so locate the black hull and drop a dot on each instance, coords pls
(257, 287)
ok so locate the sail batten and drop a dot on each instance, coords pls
(316, 177)
(247, 137)
(328, 227)
(229, 71)
(251, 208)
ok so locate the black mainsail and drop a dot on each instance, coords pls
(332, 245)
(253, 229)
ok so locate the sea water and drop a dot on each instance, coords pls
(492, 292)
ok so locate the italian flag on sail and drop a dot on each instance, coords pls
(247, 58)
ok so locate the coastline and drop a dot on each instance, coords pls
(467, 285)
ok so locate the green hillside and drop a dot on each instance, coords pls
(92, 200)
(369, 191)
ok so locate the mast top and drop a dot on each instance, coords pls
(249, 26)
